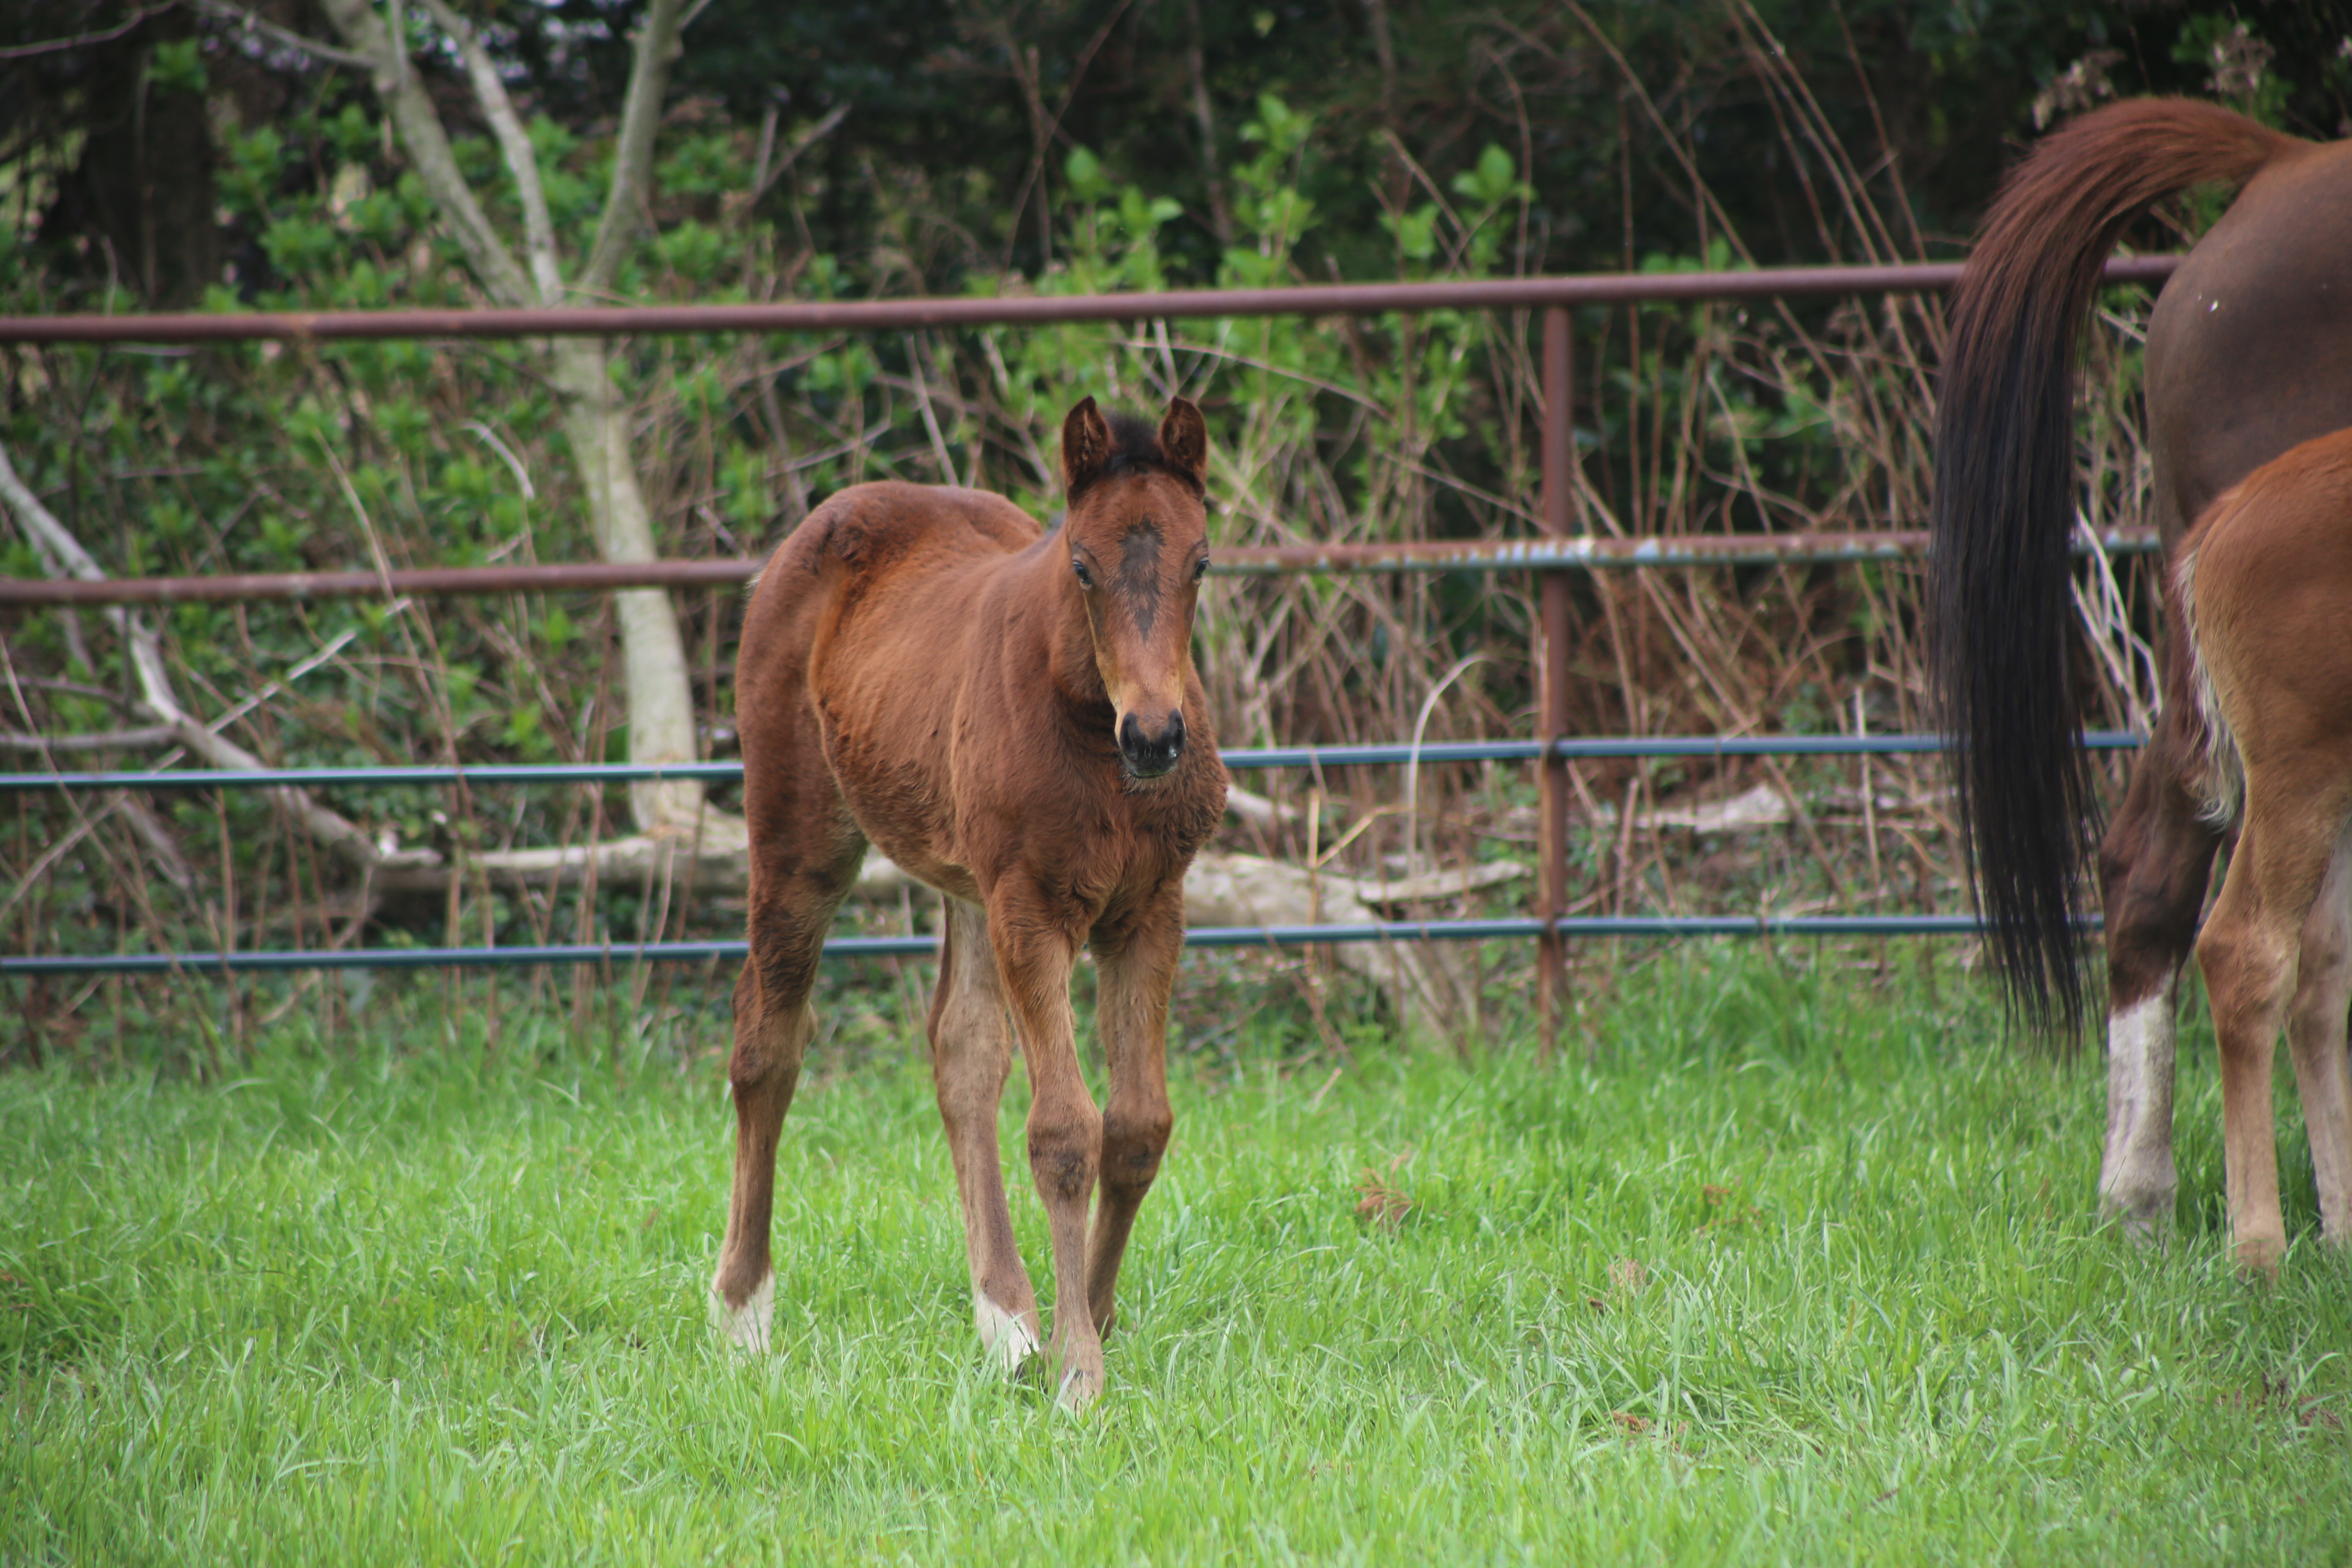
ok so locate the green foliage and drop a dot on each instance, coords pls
(2235, 57)
(178, 67)
(341, 457)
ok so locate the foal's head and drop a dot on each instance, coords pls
(1138, 537)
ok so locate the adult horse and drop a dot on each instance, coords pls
(2263, 588)
(1011, 715)
(2248, 353)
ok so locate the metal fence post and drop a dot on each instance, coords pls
(1551, 681)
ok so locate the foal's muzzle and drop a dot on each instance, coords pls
(1151, 750)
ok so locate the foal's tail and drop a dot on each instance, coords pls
(2003, 509)
(2212, 772)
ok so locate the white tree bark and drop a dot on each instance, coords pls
(653, 653)
(595, 421)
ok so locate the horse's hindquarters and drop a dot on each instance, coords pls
(2250, 342)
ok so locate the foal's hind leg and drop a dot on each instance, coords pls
(762, 1073)
(798, 873)
(1137, 970)
(2154, 865)
(2249, 952)
(971, 1052)
(2315, 1034)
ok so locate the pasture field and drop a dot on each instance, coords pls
(1802, 1269)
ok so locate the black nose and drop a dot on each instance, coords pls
(1151, 752)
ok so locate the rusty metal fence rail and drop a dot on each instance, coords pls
(1575, 553)
(1554, 554)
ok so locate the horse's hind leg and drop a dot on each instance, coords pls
(2249, 953)
(971, 1053)
(802, 861)
(2154, 865)
(2315, 1034)
(1137, 970)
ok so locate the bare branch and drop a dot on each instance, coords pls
(522, 162)
(337, 832)
(58, 851)
(239, 16)
(73, 688)
(404, 96)
(98, 741)
(55, 46)
(161, 847)
(63, 555)
(767, 176)
(719, 867)
(633, 153)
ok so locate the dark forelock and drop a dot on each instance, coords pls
(1135, 449)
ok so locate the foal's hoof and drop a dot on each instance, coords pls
(2257, 1257)
(1082, 1379)
(1009, 1339)
(746, 1327)
(2145, 1217)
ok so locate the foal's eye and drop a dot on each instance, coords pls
(1085, 578)
(1200, 568)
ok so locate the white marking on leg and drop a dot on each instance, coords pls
(2136, 1179)
(1005, 1336)
(746, 1327)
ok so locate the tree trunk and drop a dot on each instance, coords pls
(653, 654)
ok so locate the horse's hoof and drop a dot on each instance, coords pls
(746, 1327)
(2146, 1231)
(1007, 1338)
(2144, 1209)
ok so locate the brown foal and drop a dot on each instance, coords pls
(2264, 585)
(1011, 715)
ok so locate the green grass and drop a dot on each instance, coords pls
(1803, 1271)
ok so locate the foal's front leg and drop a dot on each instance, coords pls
(1138, 971)
(971, 1052)
(1034, 957)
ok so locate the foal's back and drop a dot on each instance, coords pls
(2266, 581)
(871, 560)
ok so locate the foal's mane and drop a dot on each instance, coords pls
(1135, 449)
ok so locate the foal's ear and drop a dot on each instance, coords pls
(1184, 439)
(1086, 448)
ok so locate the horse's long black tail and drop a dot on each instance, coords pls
(2004, 509)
